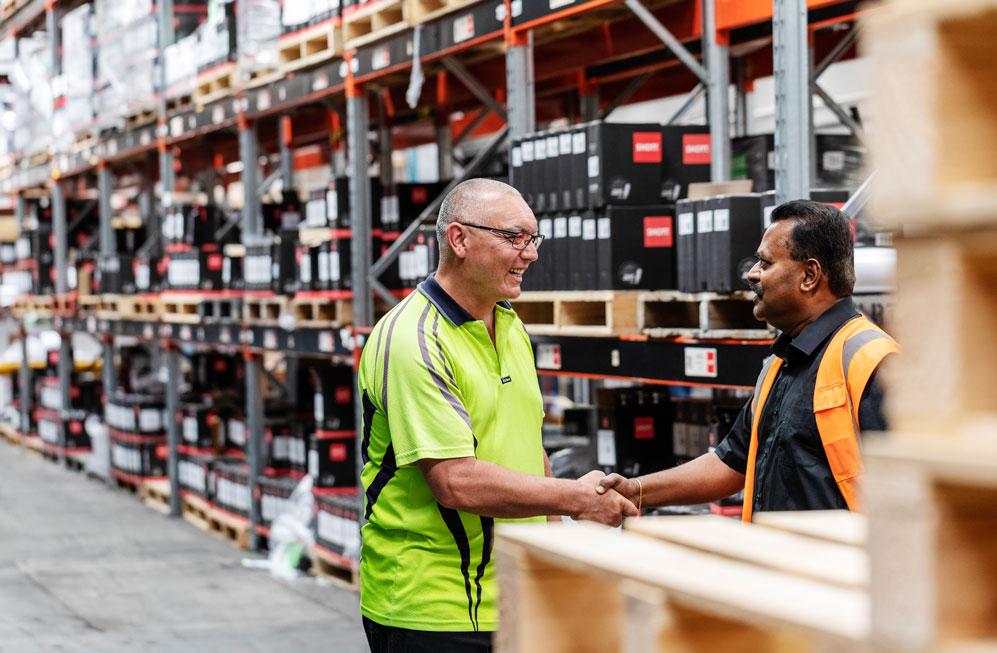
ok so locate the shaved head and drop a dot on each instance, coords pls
(468, 200)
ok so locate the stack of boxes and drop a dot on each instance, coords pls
(74, 88)
(61, 427)
(299, 14)
(605, 192)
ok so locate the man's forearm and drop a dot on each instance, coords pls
(702, 480)
(488, 489)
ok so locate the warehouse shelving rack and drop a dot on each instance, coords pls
(534, 64)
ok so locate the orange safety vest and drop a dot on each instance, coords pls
(851, 357)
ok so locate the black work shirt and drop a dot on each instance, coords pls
(791, 469)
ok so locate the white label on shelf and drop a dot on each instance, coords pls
(552, 147)
(701, 361)
(834, 160)
(560, 227)
(721, 220)
(217, 114)
(517, 157)
(564, 143)
(263, 100)
(313, 463)
(325, 341)
(334, 266)
(331, 205)
(527, 151)
(594, 165)
(381, 58)
(606, 448)
(588, 229)
(548, 357)
(604, 229)
(704, 222)
(270, 339)
(686, 224)
(575, 226)
(578, 143)
(463, 28)
(540, 149)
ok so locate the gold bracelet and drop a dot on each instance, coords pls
(640, 495)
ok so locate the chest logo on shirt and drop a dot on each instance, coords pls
(506, 379)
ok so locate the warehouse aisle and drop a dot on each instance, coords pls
(85, 568)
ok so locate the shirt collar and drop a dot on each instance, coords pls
(807, 342)
(441, 299)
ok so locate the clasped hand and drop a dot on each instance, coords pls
(602, 505)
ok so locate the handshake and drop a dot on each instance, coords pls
(606, 499)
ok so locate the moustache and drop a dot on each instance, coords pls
(756, 288)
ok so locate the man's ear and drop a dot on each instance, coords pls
(812, 275)
(457, 238)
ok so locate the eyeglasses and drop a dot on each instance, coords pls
(518, 239)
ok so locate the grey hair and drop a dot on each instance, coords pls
(463, 201)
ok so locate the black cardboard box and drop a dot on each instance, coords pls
(685, 244)
(624, 164)
(686, 159)
(737, 232)
(639, 253)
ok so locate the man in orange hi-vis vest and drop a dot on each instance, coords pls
(795, 444)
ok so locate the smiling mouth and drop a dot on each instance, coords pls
(517, 272)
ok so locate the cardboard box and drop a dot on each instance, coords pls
(624, 164)
(641, 248)
(685, 244)
(332, 458)
(737, 232)
(686, 159)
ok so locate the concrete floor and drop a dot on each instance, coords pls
(87, 568)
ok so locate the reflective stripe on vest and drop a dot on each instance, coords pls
(851, 357)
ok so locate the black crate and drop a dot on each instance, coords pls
(332, 459)
(840, 161)
(63, 429)
(639, 252)
(193, 474)
(135, 413)
(277, 442)
(326, 392)
(624, 164)
(337, 524)
(201, 425)
(116, 274)
(274, 496)
(737, 231)
(190, 224)
(194, 269)
(635, 430)
(686, 159)
(139, 456)
(147, 273)
(229, 486)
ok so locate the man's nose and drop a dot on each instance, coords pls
(755, 273)
(530, 252)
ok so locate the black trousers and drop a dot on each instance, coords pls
(386, 639)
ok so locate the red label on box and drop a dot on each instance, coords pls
(420, 195)
(643, 428)
(696, 149)
(215, 262)
(647, 147)
(343, 395)
(337, 452)
(658, 231)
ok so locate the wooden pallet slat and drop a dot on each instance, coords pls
(156, 495)
(373, 22)
(424, 11)
(265, 310)
(215, 84)
(180, 308)
(319, 312)
(310, 46)
(340, 570)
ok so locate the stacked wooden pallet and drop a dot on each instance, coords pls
(310, 46)
(653, 313)
(931, 486)
(682, 584)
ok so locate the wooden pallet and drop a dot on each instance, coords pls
(578, 313)
(180, 308)
(254, 78)
(338, 569)
(932, 68)
(265, 310)
(203, 515)
(215, 84)
(220, 308)
(374, 22)
(84, 140)
(88, 305)
(9, 433)
(700, 585)
(699, 315)
(310, 46)
(156, 495)
(932, 505)
(316, 312)
(179, 102)
(424, 11)
(137, 118)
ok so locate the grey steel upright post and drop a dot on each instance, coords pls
(519, 79)
(60, 229)
(790, 62)
(717, 56)
(291, 363)
(107, 251)
(24, 378)
(167, 180)
(252, 234)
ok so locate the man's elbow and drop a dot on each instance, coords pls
(453, 491)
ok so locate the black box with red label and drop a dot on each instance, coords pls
(624, 164)
(193, 473)
(337, 524)
(138, 456)
(201, 425)
(634, 433)
(686, 159)
(274, 496)
(332, 459)
(229, 481)
(635, 248)
(737, 232)
(326, 391)
(194, 269)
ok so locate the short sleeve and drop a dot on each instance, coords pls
(733, 449)
(424, 406)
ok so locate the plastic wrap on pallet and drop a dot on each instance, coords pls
(259, 26)
(299, 14)
(126, 68)
(181, 66)
(114, 14)
(31, 99)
